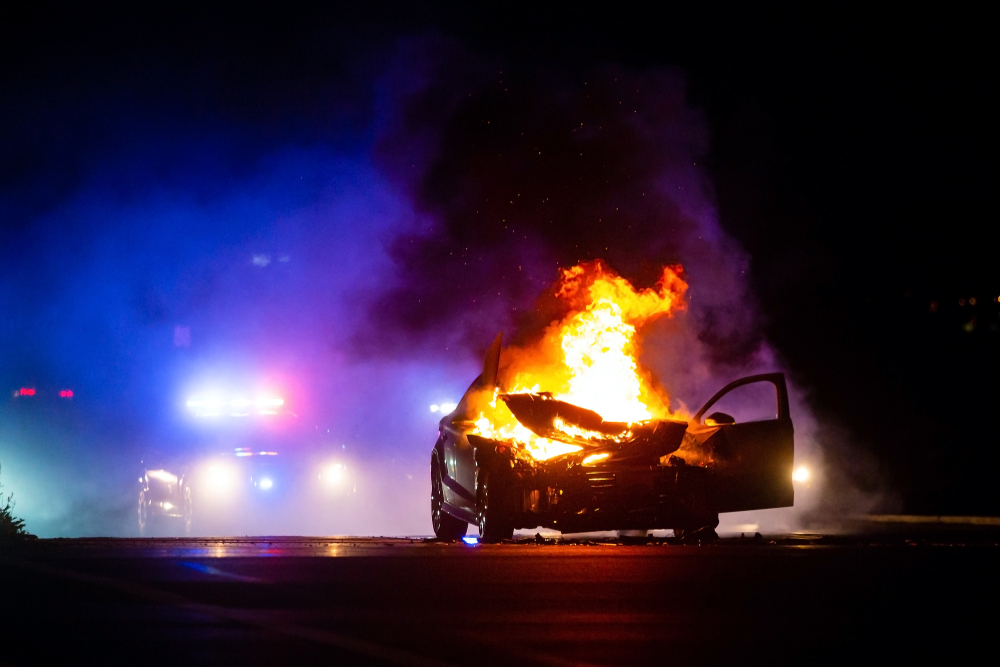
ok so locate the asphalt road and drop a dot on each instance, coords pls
(288, 601)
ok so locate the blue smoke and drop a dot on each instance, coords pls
(176, 252)
(155, 246)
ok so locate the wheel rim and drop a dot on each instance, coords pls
(484, 503)
(437, 497)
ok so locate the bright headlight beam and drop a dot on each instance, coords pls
(594, 458)
(269, 402)
(220, 478)
(266, 483)
(334, 473)
(211, 405)
(162, 476)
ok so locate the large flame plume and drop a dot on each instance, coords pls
(589, 357)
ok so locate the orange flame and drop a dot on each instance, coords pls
(589, 357)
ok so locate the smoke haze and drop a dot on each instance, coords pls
(364, 263)
(532, 171)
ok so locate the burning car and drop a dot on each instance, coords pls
(524, 458)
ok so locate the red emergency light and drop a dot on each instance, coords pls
(27, 391)
(65, 393)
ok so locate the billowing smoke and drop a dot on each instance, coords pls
(366, 267)
(514, 174)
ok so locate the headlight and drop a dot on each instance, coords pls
(265, 483)
(594, 458)
(220, 478)
(162, 476)
(334, 474)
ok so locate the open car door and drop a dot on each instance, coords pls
(752, 460)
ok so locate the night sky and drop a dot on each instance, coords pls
(363, 198)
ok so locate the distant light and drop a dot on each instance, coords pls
(237, 406)
(210, 406)
(168, 506)
(435, 408)
(66, 393)
(266, 483)
(746, 527)
(270, 402)
(447, 408)
(220, 478)
(334, 473)
(801, 474)
(27, 391)
(267, 406)
(162, 475)
(471, 540)
(972, 300)
(594, 458)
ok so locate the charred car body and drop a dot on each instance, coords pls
(659, 474)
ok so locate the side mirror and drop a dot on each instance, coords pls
(718, 418)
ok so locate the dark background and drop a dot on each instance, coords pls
(850, 155)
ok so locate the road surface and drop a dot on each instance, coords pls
(804, 599)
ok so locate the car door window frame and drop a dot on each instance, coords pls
(776, 379)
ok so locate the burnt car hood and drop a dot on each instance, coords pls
(541, 414)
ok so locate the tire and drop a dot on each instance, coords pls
(143, 514)
(446, 527)
(494, 509)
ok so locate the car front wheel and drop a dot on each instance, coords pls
(496, 521)
(446, 527)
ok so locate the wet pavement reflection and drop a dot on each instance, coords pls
(297, 600)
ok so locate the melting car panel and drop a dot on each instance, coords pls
(657, 474)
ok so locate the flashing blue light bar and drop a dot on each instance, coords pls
(471, 540)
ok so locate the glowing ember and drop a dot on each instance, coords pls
(587, 358)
